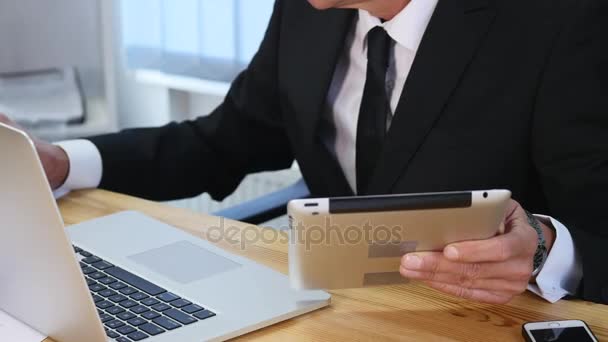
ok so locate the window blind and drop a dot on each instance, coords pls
(209, 39)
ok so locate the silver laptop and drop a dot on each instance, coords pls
(124, 277)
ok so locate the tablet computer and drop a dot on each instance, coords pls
(350, 242)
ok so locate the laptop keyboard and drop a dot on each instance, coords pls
(132, 308)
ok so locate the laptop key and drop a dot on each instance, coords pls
(139, 309)
(204, 314)
(97, 298)
(104, 304)
(88, 270)
(114, 324)
(85, 253)
(107, 293)
(135, 281)
(150, 315)
(126, 330)
(127, 291)
(107, 280)
(122, 339)
(137, 321)
(112, 334)
(105, 317)
(117, 286)
(125, 316)
(102, 265)
(180, 303)
(77, 249)
(138, 336)
(128, 304)
(180, 316)
(168, 297)
(192, 308)
(97, 275)
(151, 329)
(91, 260)
(117, 298)
(91, 282)
(115, 310)
(139, 296)
(97, 287)
(161, 307)
(166, 323)
(150, 301)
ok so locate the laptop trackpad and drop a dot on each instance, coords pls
(184, 262)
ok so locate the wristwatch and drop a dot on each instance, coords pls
(541, 248)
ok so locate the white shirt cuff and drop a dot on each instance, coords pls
(85, 166)
(59, 193)
(562, 272)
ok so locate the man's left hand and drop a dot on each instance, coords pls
(490, 271)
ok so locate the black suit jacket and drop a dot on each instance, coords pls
(502, 94)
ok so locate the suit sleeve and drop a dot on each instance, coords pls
(570, 139)
(211, 154)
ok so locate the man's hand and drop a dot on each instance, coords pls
(490, 271)
(54, 159)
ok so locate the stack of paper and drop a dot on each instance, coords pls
(35, 98)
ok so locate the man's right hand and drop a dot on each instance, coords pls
(54, 159)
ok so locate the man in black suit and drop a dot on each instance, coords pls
(407, 96)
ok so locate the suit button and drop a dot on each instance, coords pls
(605, 294)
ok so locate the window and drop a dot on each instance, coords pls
(209, 39)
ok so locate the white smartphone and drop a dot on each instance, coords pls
(558, 331)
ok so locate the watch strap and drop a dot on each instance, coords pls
(541, 254)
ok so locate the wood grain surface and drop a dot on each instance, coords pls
(409, 312)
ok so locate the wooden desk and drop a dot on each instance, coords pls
(410, 312)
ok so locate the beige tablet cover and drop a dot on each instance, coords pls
(332, 251)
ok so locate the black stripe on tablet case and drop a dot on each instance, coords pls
(344, 205)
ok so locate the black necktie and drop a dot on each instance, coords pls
(375, 107)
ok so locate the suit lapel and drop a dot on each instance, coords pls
(454, 33)
(313, 49)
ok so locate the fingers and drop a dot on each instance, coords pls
(434, 264)
(520, 240)
(499, 248)
(489, 297)
(494, 283)
(511, 286)
(489, 271)
(512, 207)
(4, 119)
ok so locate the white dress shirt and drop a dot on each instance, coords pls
(561, 273)
(346, 90)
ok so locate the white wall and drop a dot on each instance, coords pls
(38, 34)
